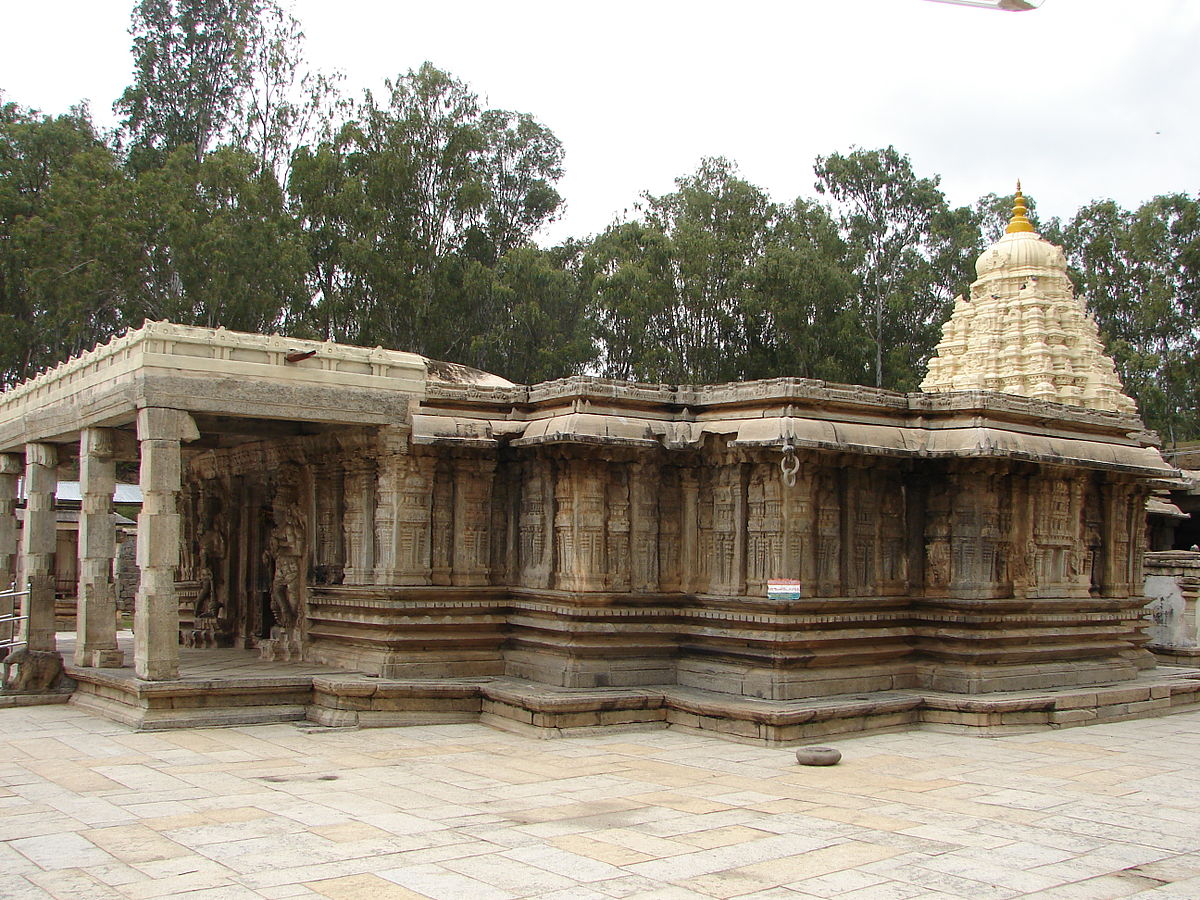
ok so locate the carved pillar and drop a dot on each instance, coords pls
(828, 495)
(617, 526)
(799, 551)
(937, 537)
(40, 543)
(472, 520)
(689, 530)
(893, 535)
(96, 644)
(536, 523)
(389, 480)
(729, 529)
(669, 517)
(764, 529)
(442, 523)
(411, 534)
(156, 614)
(579, 525)
(644, 487)
(1022, 555)
(862, 573)
(329, 489)
(359, 520)
(506, 514)
(10, 468)
(1123, 523)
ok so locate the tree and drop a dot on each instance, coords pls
(69, 251)
(1138, 273)
(407, 202)
(192, 69)
(523, 161)
(993, 214)
(545, 330)
(284, 104)
(803, 284)
(717, 283)
(911, 252)
(222, 249)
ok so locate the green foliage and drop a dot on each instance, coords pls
(69, 255)
(717, 283)
(543, 329)
(192, 68)
(221, 248)
(911, 253)
(412, 207)
(1138, 271)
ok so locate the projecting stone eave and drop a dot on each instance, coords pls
(215, 373)
(806, 414)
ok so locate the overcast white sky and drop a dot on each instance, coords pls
(1080, 99)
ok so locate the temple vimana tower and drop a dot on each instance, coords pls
(768, 560)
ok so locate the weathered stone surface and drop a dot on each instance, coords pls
(818, 756)
(612, 538)
(1172, 582)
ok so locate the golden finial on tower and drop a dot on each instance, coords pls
(1020, 220)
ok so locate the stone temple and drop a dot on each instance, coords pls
(364, 536)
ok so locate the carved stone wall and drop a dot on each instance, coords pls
(965, 576)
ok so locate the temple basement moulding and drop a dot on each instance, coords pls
(768, 560)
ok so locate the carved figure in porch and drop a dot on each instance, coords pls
(285, 547)
(209, 602)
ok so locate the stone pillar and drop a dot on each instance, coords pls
(402, 519)
(645, 486)
(441, 552)
(472, 521)
(156, 614)
(96, 644)
(40, 542)
(689, 530)
(359, 520)
(10, 468)
(1173, 586)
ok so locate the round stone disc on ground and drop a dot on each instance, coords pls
(818, 756)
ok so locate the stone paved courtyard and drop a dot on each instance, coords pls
(92, 810)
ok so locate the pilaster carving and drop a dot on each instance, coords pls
(329, 501)
(579, 525)
(442, 518)
(618, 525)
(828, 533)
(646, 483)
(359, 520)
(472, 520)
(691, 569)
(535, 523)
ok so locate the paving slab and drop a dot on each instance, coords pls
(91, 808)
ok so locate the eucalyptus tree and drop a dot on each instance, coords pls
(70, 253)
(419, 189)
(1139, 272)
(221, 246)
(192, 68)
(912, 254)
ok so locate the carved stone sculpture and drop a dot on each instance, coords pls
(32, 671)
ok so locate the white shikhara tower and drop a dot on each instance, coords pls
(1022, 331)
